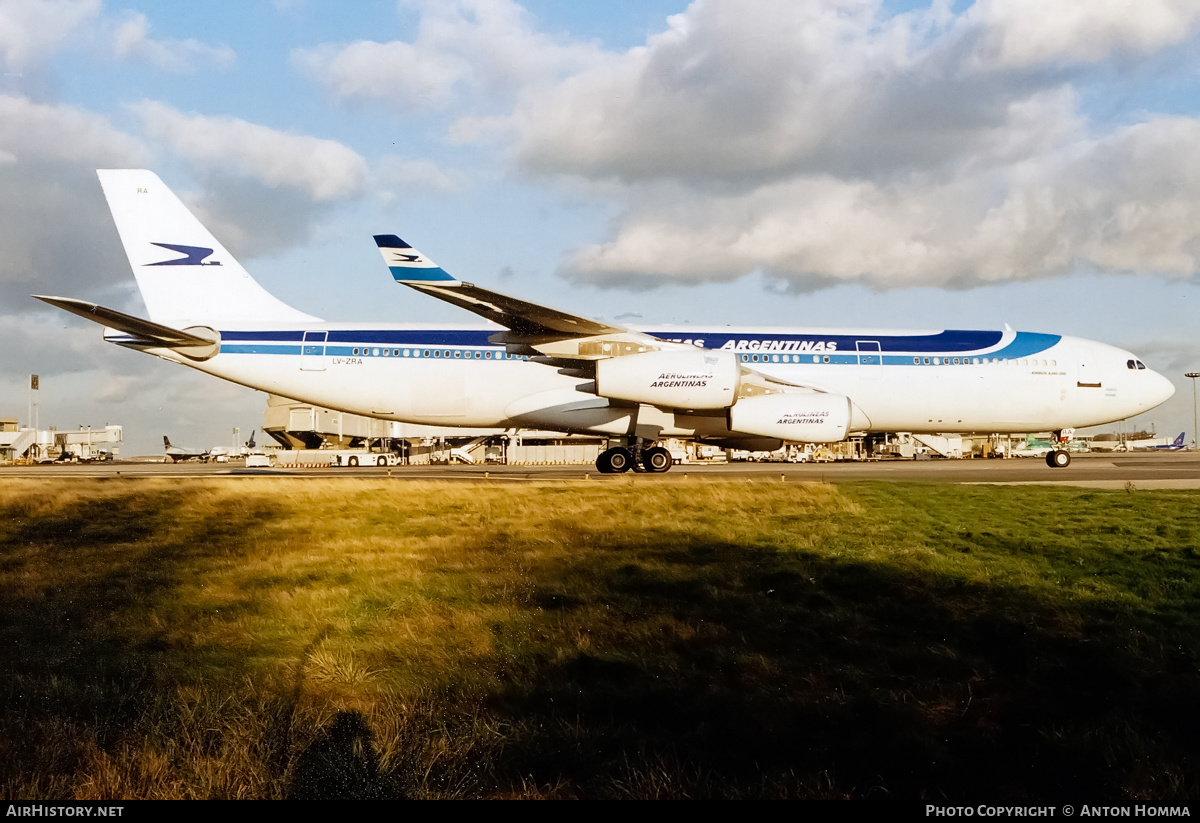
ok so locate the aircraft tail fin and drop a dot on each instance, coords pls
(1179, 439)
(166, 442)
(408, 265)
(185, 275)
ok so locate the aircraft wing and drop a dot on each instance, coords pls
(553, 336)
(527, 320)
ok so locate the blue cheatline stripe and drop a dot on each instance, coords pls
(344, 342)
(948, 342)
(419, 274)
(438, 352)
(258, 348)
(381, 337)
(448, 351)
(259, 336)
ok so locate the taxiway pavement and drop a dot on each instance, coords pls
(1176, 470)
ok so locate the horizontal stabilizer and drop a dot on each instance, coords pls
(145, 333)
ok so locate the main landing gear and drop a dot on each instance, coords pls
(1058, 458)
(622, 459)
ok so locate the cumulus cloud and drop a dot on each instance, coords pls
(31, 30)
(485, 48)
(741, 93)
(401, 174)
(58, 133)
(263, 189)
(131, 40)
(1127, 202)
(1026, 32)
(396, 71)
(54, 228)
(322, 169)
(827, 142)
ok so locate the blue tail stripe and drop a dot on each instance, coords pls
(403, 273)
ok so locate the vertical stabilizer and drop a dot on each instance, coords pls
(185, 276)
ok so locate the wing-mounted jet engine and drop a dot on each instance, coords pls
(689, 379)
(704, 379)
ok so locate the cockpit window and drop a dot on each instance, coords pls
(1141, 365)
(1130, 364)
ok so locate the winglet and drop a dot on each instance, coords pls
(408, 265)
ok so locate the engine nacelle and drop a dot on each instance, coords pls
(681, 379)
(801, 417)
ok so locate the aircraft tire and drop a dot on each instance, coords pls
(657, 459)
(1058, 459)
(353, 461)
(619, 460)
(602, 464)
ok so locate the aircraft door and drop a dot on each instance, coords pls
(312, 351)
(870, 358)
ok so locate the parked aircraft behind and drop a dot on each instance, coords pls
(178, 453)
(222, 454)
(1176, 445)
(536, 367)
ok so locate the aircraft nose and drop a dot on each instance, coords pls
(1158, 389)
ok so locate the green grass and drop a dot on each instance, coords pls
(273, 638)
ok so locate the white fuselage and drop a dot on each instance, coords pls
(911, 381)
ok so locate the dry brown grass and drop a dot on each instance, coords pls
(258, 637)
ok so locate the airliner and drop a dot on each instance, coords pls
(531, 366)
(178, 453)
(222, 454)
(1176, 445)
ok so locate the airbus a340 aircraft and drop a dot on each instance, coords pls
(535, 367)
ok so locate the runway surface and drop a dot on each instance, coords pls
(1175, 470)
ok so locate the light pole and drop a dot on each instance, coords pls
(1195, 428)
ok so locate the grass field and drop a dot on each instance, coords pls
(270, 638)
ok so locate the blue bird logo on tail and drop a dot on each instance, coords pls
(193, 256)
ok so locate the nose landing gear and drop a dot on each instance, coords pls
(1060, 458)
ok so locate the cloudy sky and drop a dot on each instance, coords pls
(884, 163)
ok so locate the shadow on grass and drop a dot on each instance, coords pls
(778, 669)
(342, 764)
(74, 660)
